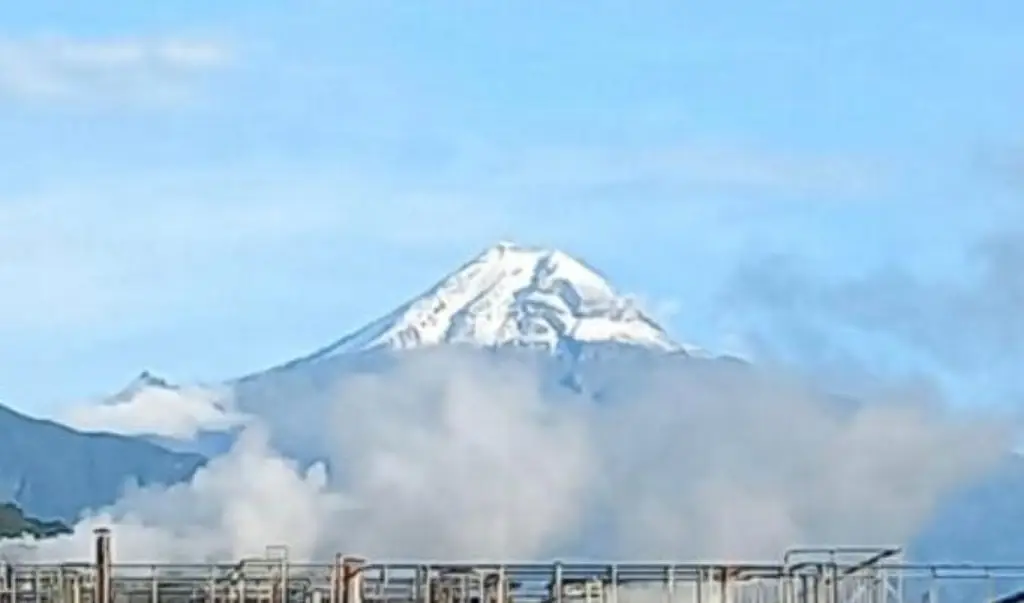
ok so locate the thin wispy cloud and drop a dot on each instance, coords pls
(697, 167)
(63, 69)
(968, 319)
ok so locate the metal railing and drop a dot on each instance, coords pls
(805, 575)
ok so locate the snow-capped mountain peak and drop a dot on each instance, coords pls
(513, 295)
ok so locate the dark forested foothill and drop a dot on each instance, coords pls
(14, 523)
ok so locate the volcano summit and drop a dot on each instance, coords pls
(513, 296)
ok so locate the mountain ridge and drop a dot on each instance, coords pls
(52, 470)
(507, 296)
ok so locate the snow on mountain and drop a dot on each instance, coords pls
(508, 296)
(511, 295)
(151, 406)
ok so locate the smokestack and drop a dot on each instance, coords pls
(102, 565)
(352, 579)
(338, 579)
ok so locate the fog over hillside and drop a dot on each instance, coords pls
(455, 453)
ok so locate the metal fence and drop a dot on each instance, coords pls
(836, 575)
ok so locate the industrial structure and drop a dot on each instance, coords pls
(804, 575)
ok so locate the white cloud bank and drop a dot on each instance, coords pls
(179, 412)
(457, 456)
(57, 68)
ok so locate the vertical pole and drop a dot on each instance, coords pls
(558, 583)
(614, 579)
(211, 586)
(428, 585)
(698, 595)
(241, 588)
(336, 578)
(724, 585)
(102, 560)
(835, 582)
(670, 583)
(285, 567)
(787, 588)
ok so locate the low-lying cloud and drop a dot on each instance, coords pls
(178, 413)
(460, 455)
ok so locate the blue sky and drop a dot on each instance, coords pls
(203, 189)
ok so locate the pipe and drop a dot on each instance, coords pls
(103, 564)
(337, 581)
